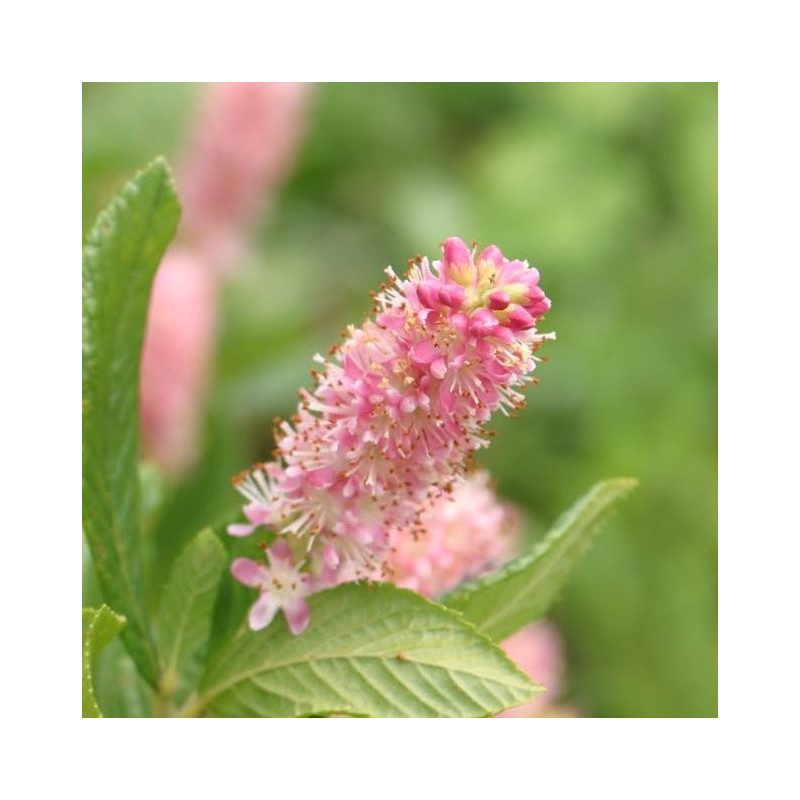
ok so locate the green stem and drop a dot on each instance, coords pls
(164, 696)
(193, 707)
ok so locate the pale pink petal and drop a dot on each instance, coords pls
(499, 300)
(492, 254)
(239, 529)
(439, 368)
(408, 404)
(424, 353)
(262, 612)
(446, 397)
(280, 551)
(428, 295)
(483, 322)
(519, 319)
(455, 252)
(542, 307)
(297, 614)
(330, 556)
(257, 514)
(452, 296)
(248, 572)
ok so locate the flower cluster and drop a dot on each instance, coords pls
(396, 411)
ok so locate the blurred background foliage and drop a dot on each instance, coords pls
(611, 190)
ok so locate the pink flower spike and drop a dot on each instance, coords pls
(395, 413)
(241, 146)
(176, 359)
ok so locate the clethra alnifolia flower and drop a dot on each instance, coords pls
(395, 413)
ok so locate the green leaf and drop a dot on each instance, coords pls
(202, 498)
(100, 626)
(119, 688)
(370, 650)
(185, 613)
(120, 258)
(523, 590)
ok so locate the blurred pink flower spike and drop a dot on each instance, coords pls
(282, 586)
(180, 334)
(538, 651)
(241, 147)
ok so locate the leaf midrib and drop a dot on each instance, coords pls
(207, 699)
(311, 657)
(202, 580)
(116, 529)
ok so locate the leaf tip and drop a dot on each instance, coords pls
(624, 484)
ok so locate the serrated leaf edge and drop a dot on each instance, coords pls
(87, 648)
(149, 668)
(602, 506)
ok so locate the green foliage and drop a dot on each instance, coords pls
(100, 626)
(184, 618)
(611, 190)
(121, 691)
(523, 590)
(370, 650)
(120, 258)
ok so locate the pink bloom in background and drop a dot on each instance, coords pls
(459, 535)
(179, 337)
(537, 650)
(239, 149)
(463, 535)
(397, 410)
